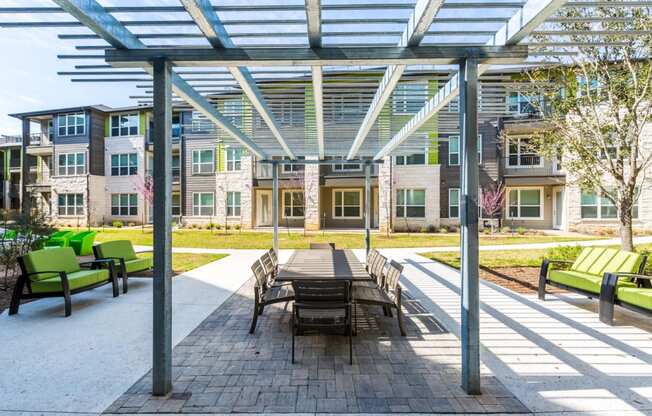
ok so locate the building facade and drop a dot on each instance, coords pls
(93, 165)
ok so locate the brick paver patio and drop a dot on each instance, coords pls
(220, 368)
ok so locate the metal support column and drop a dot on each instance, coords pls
(469, 226)
(275, 204)
(162, 323)
(367, 207)
(24, 168)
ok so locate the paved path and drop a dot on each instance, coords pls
(555, 356)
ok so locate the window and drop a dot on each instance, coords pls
(415, 159)
(203, 204)
(345, 107)
(347, 203)
(176, 125)
(233, 110)
(71, 124)
(233, 204)
(584, 87)
(176, 204)
(72, 164)
(347, 167)
(233, 157)
(203, 162)
(521, 153)
(71, 204)
(124, 164)
(124, 125)
(518, 103)
(525, 203)
(454, 150)
(409, 98)
(411, 203)
(290, 113)
(600, 207)
(453, 203)
(293, 168)
(176, 167)
(198, 121)
(124, 204)
(293, 204)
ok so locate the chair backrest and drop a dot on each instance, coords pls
(50, 259)
(599, 260)
(393, 275)
(322, 246)
(371, 257)
(268, 264)
(272, 255)
(82, 235)
(259, 275)
(326, 291)
(117, 248)
(377, 268)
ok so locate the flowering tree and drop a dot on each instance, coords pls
(492, 200)
(145, 187)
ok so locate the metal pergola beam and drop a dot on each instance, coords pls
(331, 56)
(418, 24)
(210, 25)
(96, 18)
(313, 20)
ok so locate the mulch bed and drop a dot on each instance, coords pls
(523, 280)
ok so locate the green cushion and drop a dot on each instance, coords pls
(10, 235)
(638, 296)
(139, 264)
(118, 248)
(585, 281)
(601, 262)
(624, 261)
(53, 259)
(585, 261)
(76, 280)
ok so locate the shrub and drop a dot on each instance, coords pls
(227, 227)
(453, 229)
(237, 226)
(506, 230)
(211, 226)
(443, 230)
(117, 224)
(563, 252)
(521, 230)
(131, 224)
(423, 230)
(218, 226)
(193, 226)
(432, 229)
(486, 230)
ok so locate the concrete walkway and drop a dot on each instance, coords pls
(555, 356)
(49, 363)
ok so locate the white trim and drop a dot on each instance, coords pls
(128, 206)
(199, 206)
(358, 190)
(449, 202)
(459, 150)
(358, 169)
(120, 115)
(233, 206)
(525, 188)
(66, 115)
(405, 206)
(199, 163)
(518, 154)
(284, 191)
(75, 165)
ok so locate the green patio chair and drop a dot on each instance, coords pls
(9, 235)
(55, 272)
(82, 243)
(59, 239)
(123, 252)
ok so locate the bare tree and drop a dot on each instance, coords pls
(596, 100)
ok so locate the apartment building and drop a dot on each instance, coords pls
(93, 165)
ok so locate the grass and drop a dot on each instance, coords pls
(183, 262)
(510, 258)
(261, 240)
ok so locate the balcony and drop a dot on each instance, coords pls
(10, 141)
(532, 169)
(39, 145)
(38, 182)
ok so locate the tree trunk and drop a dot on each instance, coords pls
(626, 240)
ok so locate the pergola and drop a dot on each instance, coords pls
(330, 36)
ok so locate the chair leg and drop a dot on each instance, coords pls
(399, 316)
(260, 310)
(389, 311)
(294, 329)
(350, 343)
(15, 297)
(67, 303)
(254, 319)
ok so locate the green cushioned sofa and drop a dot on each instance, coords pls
(122, 251)
(59, 239)
(614, 276)
(55, 272)
(82, 243)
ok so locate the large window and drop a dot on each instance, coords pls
(176, 204)
(71, 204)
(233, 159)
(409, 98)
(203, 162)
(454, 150)
(124, 204)
(233, 204)
(124, 164)
(518, 103)
(203, 204)
(72, 164)
(233, 110)
(415, 159)
(596, 206)
(411, 203)
(347, 167)
(294, 168)
(293, 205)
(453, 203)
(124, 125)
(522, 153)
(71, 124)
(525, 203)
(347, 203)
(291, 113)
(176, 167)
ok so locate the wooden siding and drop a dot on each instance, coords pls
(96, 143)
(196, 183)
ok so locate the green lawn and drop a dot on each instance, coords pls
(182, 262)
(262, 240)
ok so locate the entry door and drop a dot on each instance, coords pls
(264, 208)
(558, 208)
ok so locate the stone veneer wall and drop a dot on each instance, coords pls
(238, 181)
(384, 194)
(311, 196)
(425, 177)
(68, 185)
(121, 184)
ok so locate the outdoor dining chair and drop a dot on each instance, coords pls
(320, 305)
(322, 246)
(266, 293)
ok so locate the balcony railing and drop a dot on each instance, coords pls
(11, 140)
(531, 165)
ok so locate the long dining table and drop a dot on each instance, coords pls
(322, 264)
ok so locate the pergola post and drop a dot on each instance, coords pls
(367, 207)
(162, 296)
(469, 173)
(24, 167)
(275, 205)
